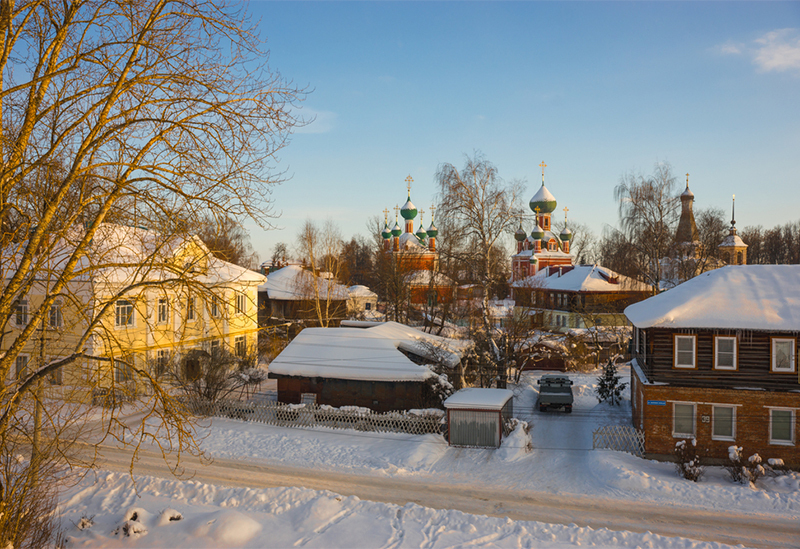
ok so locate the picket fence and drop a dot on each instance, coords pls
(314, 415)
(622, 438)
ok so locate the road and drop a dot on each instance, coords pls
(732, 528)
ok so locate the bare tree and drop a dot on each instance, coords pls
(228, 240)
(155, 112)
(482, 208)
(648, 213)
(320, 249)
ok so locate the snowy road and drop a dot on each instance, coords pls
(751, 530)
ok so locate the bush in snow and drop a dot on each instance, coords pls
(776, 467)
(745, 471)
(687, 460)
(608, 384)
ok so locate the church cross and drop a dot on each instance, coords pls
(687, 180)
(565, 215)
(537, 213)
(386, 215)
(396, 209)
(432, 212)
(421, 213)
(409, 181)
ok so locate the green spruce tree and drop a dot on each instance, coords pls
(609, 386)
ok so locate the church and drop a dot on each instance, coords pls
(414, 254)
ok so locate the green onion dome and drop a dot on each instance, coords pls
(432, 230)
(566, 234)
(538, 233)
(397, 230)
(387, 232)
(421, 234)
(544, 200)
(520, 235)
(408, 211)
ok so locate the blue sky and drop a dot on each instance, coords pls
(593, 89)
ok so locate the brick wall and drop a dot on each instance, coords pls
(752, 421)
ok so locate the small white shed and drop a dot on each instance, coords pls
(478, 417)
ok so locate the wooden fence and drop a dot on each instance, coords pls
(622, 438)
(313, 415)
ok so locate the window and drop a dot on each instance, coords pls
(783, 354)
(725, 353)
(21, 367)
(21, 312)
(723, 422)
(781, 426)
(685, 351)
(215, 307)
(162, 361)
(739, 259)
(163, 311)
(240, 345)
(55, 377)
(214, 347)
(55, 319)
(190, 314)
(122, 369)
(683, 419)
(367, 306)
(241, 304)
(124, 313)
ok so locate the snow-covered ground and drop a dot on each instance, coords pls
(561, 462)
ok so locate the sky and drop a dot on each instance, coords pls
(595, 90)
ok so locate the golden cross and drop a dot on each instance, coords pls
(432, 212)
(565, 214)
(386, 215)
(543, 166)
(687, 180)
(409, 180)
(396, 209)
(537, 213)
(421, 213)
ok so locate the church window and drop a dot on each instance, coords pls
(726, 257)
(738, 258)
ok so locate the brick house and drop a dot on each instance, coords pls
(715, 359)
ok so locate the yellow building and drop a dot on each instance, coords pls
(137, 305)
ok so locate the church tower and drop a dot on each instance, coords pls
(733, 250)
(687, 239)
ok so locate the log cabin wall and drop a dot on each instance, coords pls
(754, 358)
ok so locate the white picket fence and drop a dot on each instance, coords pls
(313, 415)
(622, 438)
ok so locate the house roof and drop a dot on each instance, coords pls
(737, 297)
(581, 278)
(359, 290)
(369, 354)
(294, 283)
(475, 397)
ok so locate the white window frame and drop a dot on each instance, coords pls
(124, 319)
(17, 368)
(191, 310)
(693, 338)
(241, 303)
(735, 353)
(793, 358)
(216, 308)
(792, 427)
(123, 369)
(55, 317)
(162, 311)
(21, 313)
(162, 361)
(714, 420)
(693, 434)
(240, 340)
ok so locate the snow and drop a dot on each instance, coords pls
(475, 397)
(580, 278)
(543, 195)
(359, 290)
(554, 457)
(371, 354)
(295, 283)
(740, 297)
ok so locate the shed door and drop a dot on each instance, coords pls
(474, 428)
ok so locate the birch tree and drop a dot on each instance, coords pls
(482, 208)
(150, 113)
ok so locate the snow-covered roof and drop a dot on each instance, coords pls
(543, 195)
(423, 278)
(581, 278)
(361, 291)
(475, 397)
(411, 241)
(295, 283)
(120, 254)
(732, 240)
(370, 354)
(737, 297)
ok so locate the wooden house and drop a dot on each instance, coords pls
(715, 359)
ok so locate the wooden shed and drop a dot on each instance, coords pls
(478, 417)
